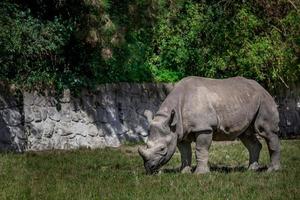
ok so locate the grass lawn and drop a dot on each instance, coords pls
(119, 174)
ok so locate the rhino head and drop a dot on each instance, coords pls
(161, 144)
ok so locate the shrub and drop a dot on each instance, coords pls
(223, 39)
(81, 43)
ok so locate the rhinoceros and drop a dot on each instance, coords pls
(201, 110)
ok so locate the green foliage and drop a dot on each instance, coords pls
(119, 174)
(225, 39)
(32, 50)
(81, 43)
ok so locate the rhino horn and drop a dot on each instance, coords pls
(143, 153)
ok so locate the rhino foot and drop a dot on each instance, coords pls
(202, 170)
(186, 170)
(272, 168)
(254, 166)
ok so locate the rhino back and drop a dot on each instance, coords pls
(226, 106)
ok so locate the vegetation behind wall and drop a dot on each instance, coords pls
(81, 43)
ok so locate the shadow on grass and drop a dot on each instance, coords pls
(217, 168)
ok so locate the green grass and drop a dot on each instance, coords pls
(119, 174)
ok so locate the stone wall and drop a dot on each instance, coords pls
(112, 114)
(108, 116)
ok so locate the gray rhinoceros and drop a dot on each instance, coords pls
(201, 110)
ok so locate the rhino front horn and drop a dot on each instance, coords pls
(143, 152)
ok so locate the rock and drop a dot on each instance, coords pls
(82, 116)
(39, 100)
(65, 107)
(37, 115)
(43, 144)
(28, 98)
(51, 101)
(44, 113)
(53, 114)
(81, 142)
(80, 129)
(92, 130)
(11, 117)
(62, 143)
(66, 132)
(61, 131)
(67, 128)
(97, 142)
(18, 131)
(29, 117)
(48, 129)
(35, 131)
(112, 141)
(75, 116)
(66, 96)
(66, 116)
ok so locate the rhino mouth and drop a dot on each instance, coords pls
(153, 168)
(151, 171)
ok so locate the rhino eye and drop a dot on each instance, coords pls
(162, 148)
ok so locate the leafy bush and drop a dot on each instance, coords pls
(225, 39)
(81, 43)
(32, 50)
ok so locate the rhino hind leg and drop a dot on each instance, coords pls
(203, 142)
(266, 125)
(185, 150)
(254, 146)
(272, 141)
(273, 144)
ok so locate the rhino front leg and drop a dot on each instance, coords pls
(203, 142)
(254, 146)
(186, 156)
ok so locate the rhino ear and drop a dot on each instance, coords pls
(173, 120)
(149, 115)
